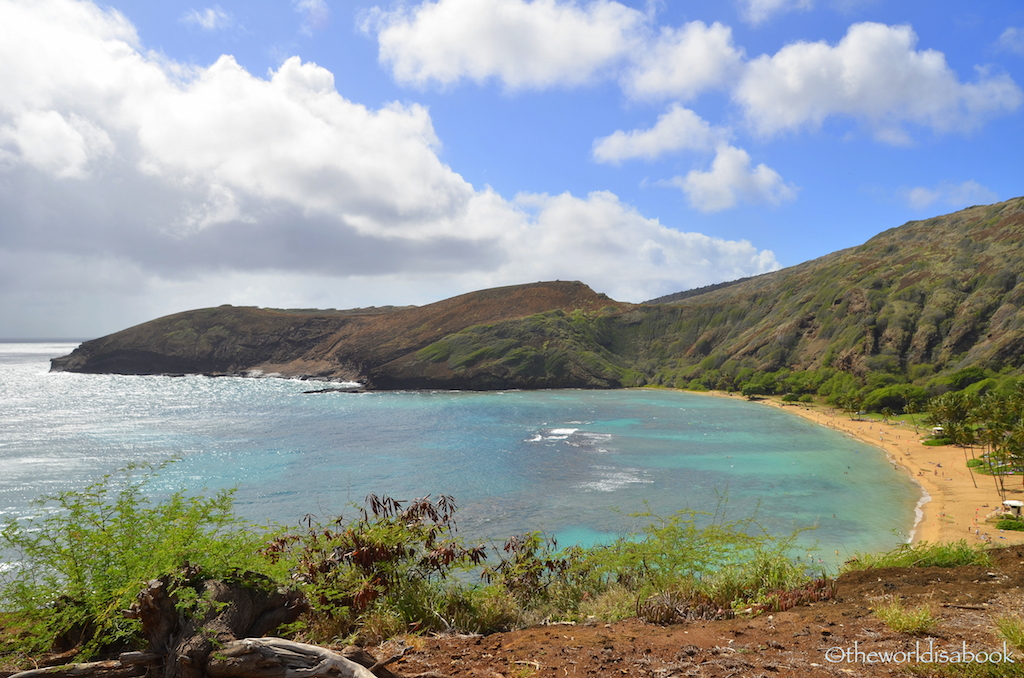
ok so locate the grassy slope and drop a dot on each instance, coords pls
(942, 294)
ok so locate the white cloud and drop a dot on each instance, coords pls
(955, 195)
(143, 179)
(732, 180)
(756, 12)
(875, 75)
(61, 146)
(522, 44)
(683, 62)
(1012, 40)
(585, 239)
(676, 130)
(209, 19)
(316, 14)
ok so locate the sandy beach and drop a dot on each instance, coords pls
(955, 508)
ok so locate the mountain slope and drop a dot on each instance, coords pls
(926, 298)
(945, 292)
(349, 345)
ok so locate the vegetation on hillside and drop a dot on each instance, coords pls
(929, 307)
(392, 567)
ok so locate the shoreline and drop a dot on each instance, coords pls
(951, 508)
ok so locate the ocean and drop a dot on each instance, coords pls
(573, 463)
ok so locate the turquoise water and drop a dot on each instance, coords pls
(573, 463)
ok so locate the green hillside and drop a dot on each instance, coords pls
(918, 310)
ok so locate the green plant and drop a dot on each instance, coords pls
(1011, 629)
(915, 621)
(385, 570)
(923, 554)
(1010, 524)
(86, 553)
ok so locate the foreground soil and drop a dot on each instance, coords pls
(798, 642)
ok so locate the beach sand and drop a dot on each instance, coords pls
(956, 509)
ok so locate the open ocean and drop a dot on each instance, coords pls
(573, 463)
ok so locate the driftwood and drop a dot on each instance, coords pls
(127, 665)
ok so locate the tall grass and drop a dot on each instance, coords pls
(924, 554)
(916, 621)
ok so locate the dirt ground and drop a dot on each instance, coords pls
(797, 642)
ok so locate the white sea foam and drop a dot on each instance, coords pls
(613, 478)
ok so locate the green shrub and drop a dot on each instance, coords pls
(1010, 524)
(974, 463)
(387, 568)
(87, 553)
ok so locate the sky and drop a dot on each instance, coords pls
(158, 157)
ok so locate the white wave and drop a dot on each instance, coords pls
(615, 479)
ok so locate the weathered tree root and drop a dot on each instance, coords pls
(279, 658)
(127, 665)
(221, 641)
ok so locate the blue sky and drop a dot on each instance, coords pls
(156, 157)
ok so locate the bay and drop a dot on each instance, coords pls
(572, 463)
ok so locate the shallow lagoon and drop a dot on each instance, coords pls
(573, 463)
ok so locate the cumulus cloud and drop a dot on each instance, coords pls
(522, 44)
(684, 62)
(545, 43)
(584, 238)
(873, 74)
(126, 178)
(676, 130)
(732, 180)
(756, 12)
(209, 19)
(1012, 40)
(955, 195)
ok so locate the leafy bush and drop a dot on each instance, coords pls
(1010, 524)
(386, 570)
(86, 553)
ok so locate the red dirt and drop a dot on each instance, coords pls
(966, 601)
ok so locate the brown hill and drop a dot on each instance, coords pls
(916, 303)
(348, 345)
